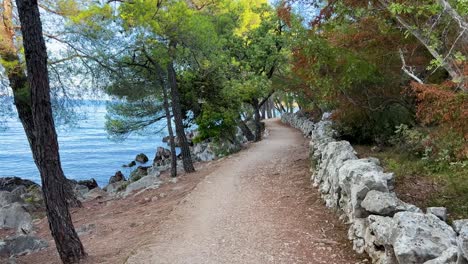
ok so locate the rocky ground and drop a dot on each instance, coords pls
(256, 206)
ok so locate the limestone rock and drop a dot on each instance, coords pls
(20, 190)
(378, 239)
(327, 116)
(94, 194)
(459, 224)
(16, 217)
(138, 173)
(143, 183)
(80, 190)
(449, 256)
(154, 171)
(7, 198)
(357, 178)
(162, 157)
(363, 192)
(21, 245)
(356, 233)
(382, 229)
(115, 187)
(385, 203)
(323, 129)
(440, 212)
(11, 183)
(362, 185)
(333, 157)
(34, 197)
(117, 177)
(203, 152)
(420, 237)
(462, 241)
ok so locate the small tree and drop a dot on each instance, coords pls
(140, 82)
(259, 53)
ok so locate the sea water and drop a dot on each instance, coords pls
(85, 149)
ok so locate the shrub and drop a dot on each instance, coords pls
(215, 123)
(409, 140)
(363, 125)
(446, 111)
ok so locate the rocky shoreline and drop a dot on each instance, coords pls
(147, 177)
(21, 201)
(380, 224)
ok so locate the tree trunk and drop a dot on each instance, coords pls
(263, 111)
(177, 112)
(279, 106)
(171, 132)
(18, 83)
(46, 147)
(273, 108)
(268, 108)
(246, 130)
(258, 125)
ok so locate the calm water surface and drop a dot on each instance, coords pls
(85, 150)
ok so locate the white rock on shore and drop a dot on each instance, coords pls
(16, 217)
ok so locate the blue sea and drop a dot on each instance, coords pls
(85, 149)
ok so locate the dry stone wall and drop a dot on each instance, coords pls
(389, 230)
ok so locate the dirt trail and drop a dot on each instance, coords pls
(255, 207)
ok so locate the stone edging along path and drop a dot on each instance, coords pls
(388, 229)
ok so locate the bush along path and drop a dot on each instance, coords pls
(388, 229)
(257, 206)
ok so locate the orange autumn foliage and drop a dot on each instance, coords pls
(441, 106)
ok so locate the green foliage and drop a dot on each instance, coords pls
(443, 150)
(409, 140)
(126, 117)
(250, 86)
(93, 21)
(462, 7)
(399, 8)
(450, 181)
(438, 151)
(216, 123)
(365, 125)
(224, 53)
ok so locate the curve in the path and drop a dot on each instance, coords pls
(257, 207)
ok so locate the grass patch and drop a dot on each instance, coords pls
(425, 183)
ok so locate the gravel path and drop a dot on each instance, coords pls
(256, 207)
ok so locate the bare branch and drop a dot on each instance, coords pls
(405, 69)
(454, 14)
